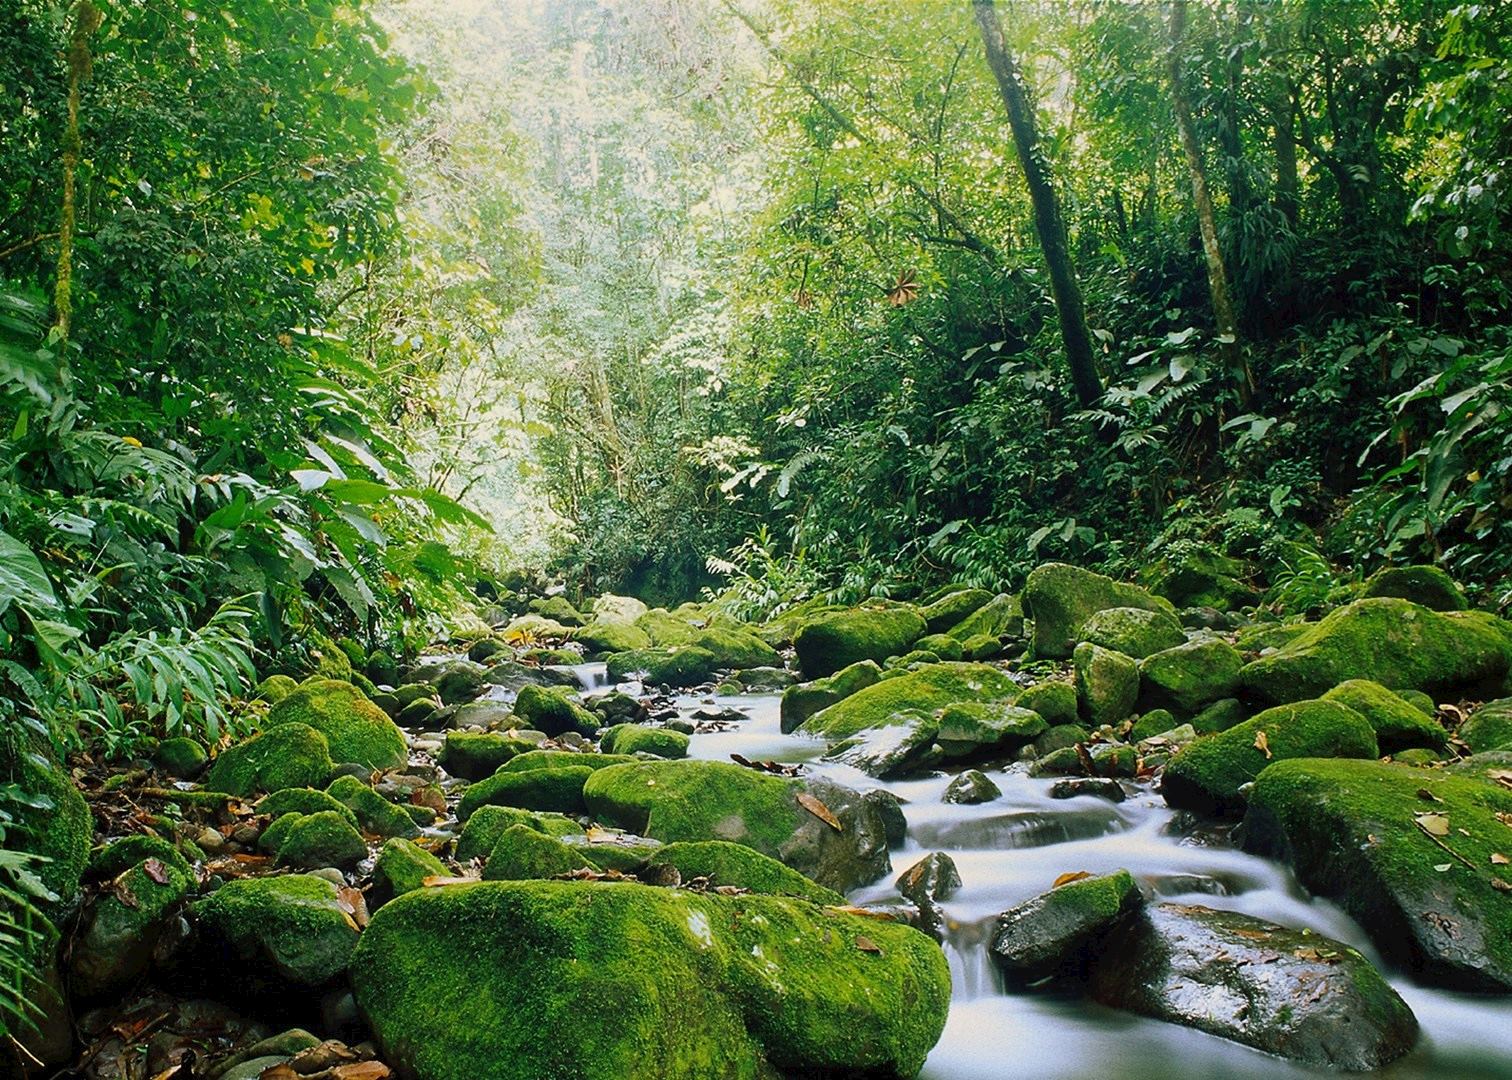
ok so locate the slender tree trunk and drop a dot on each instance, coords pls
(1217, 272)
(1288, 186)
(86, 21)
(1048, 222)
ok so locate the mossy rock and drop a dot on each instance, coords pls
(181, 757)
(1107, 684)
(402, 866)
(1153, 723)
(830, 642)
(804, 700)
(487, 824)
(1356, 833)
(1220, 716)
(1199, 576)
(275, 688)
(375, 814)
(279, 931)
(738, 866)
(675, 801)
(417, 714)
(952, 609)
(1425, 585)
(612, 637)
(1060, 933)
(60, 832)
(558, 789)
(522, 853)
(115, 941)
(666, 629)
(974, 727)
(910, 661)
(1269, 636)
(315, 841)
(121, 855)
(1207, 775)
(618, 981)
(675, 665)
(289, 755)
(1134, 632)
(551, 759)
(982, 647)
(942, 646)
(639, 739)
(927, 690)
(1393, 642)
(554, 711)
(558, 609)
(1000, 617)
(551, 657)
(1488, 728)
(1189, 677)
(1060, 598)
(1059, 737)
(473, 755)
(382, 668)
(355, 729)
(904, 744)
(733, 649)
(302, 801)
(1398, 725)
(1054, 699)
(611, 608)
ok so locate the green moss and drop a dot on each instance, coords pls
(620, 980)
(1398, 725)
(666, 629)
(927, 690)
(1417, 756)
(981, 647)
(1393, 642)
(677, 665)
(115, 943)
(1199, 576)
(697, 800)
(1488, 728)
(952, 609)
(970, 727)
(487, 824)
(301, 801)
(289, 928)
(1107, 683)
(639, 739)
(319, 840)
(121, 855)
(734, 649)
(60, 832)
(724, 863)
(1054, 699)
(1419, 701)
(1061, 598)
(833, 641)
(549, 657)
(943, 646)
(275, 688)
(559, 788)
(554, 710)
(1134, 632)
(1002, 616)
(522, 853)
(472, 755)
(289, 755)
(1269, 636)
(1190, 676)
(356, 729)
(802, 701)
(277, 830)
(1425, 585)
(1352, 832)
(1207, 775)
(402, 866)
(381, 668)
(181, 757)
(1059, 737)
(552, 759)
(1155, 722)
(375, 814)
(612, 637)
(1220, 716)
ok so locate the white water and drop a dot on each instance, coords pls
(1014, 847)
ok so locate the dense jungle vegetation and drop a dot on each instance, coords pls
(324, 324)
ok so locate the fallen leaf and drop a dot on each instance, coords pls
(1262, 744)
(169, 1072)
(1068, 877)
(866, 944)
(819, 810)
(904, 289)
(1498, 859)
(361, 1070)
(353, 903)
(430, 798)
(1443, 867)
(281, 1071)
(1433, 824)
(1084, 758)
(436, 881)
(1501, 886)
(155, 869)
(323, 1056)
(1428, 796)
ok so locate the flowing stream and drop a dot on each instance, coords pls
(1013, 848)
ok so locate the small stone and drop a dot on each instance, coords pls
(1095, 786)
(1059, 933)
(971, 787)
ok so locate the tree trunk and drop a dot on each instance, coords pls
(1048, 222)
(87, 20)
(1288, 186)
(1217, 272)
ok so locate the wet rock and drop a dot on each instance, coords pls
(738, 866)
(481, 715)
(485, 649)
(904, 744)
(638, 739)
(1297, 995)
(277, 932)
(701, 985)
(889, 809)
(835, 640)
(121, 929)
(927, 883)
(1398, 725)
(1061, 598)
(927, 690)
(1425, 585)
(289, 755)
(1107, 684)
(1114, 760)
(1096, 786)
(677, 666)
(476, 755)
(554, 711)
(1134, 632)
(803, 701)
(617, 707)
(1191, 676)
(971, 787)
(1059, 934)
(458, 681)
(417, 714)
(971, 727)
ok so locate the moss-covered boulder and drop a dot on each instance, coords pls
(1191, 676)
(289, 755)
(1206, 776)
(666, 629)
(1425, 585)
(1061, 598)
(402, 866)
(674, 665)
(1488, 728)
(121, 855)
(382, 668)
(740, 867)
(474, 755)
(119, 931)
(735, 648)
(1398, 725)
(375, 814)
(950, 610)
(1199, 576)
(1267, 637)
(622, 609)
(1059, 933)
(804, 700)
(941, 646)
(486, 824)
(316, 841)
(926, 690)
(1054, 699)
(833, 641)
(554, 710)
(558, 789)
(59, 828)
(1107, 684)
(1134, 632)
(551, 759)
(522, 854)
(901, 745)
(1396, 643)
(275, 688)
(639, 739)
(181, 757)
(278, 931)
(612, 637)
(557, 608)
(301, 801)
(1001, 617)
(1287, 992)
(968, 728)
(1220, 716)
(617, 981)
(1420, 874)
(355, 729)
(709, 800)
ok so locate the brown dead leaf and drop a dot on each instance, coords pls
(168, 1073)
(430, 798)
(1084, 758)
(1070, 876)
(361, 1070)
(819, 810)
(436, 881)
(866, 944)
(1262, 744)
(1427, 796)
(353, 903)
(155, 869)
(281, 1071)
(1504, 817)
(904, 289)
(1501, 886)
(1501, 776)
(319, 1058)
(123, 892)
(1498, 859)
(1433, 824)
